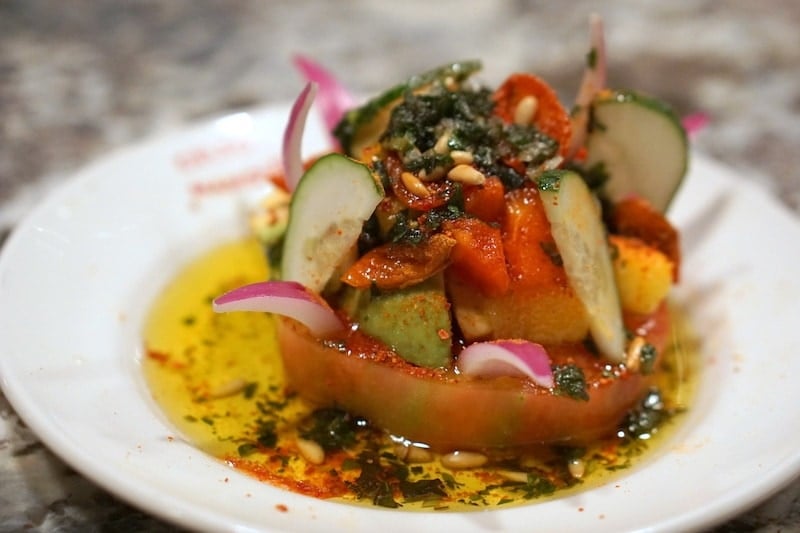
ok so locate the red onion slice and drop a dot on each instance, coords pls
(507, 358)
(334, 100)
(594, 81)
(694, 123)
(287, 298)
(293, 136)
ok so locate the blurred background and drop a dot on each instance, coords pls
(81, 78)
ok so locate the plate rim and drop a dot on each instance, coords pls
(187, 514)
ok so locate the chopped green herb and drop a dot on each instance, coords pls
(250, 390)
(266, 434)
(570, 381)
(246, 449)
(642, 421)
(550, 180)
(422, 490)
(647, 357)
(331, 428)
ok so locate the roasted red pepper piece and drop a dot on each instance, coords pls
(398, 265)
(550, 117)
(478, 254)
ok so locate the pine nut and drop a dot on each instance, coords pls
(633, 358)
(413, 454)
(467, 175)
(461, 157)
(512, 475)
(414, 185)
(463, 460)
(525, 111)
(577, 468)
(229, 388)
(311, 451)
(441, 145)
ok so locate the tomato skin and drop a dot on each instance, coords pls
(453, 412)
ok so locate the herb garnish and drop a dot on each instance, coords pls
(570, 381)
(332, 429)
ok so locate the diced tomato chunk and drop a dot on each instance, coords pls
(487, 201)
(531, 252)
(478, 255)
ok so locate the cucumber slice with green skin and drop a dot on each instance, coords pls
(363, 126)
(642, 145)
(328, 209)
(580, 237)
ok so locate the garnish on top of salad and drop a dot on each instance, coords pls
(479, 268)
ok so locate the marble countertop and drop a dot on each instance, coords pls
(80, 79)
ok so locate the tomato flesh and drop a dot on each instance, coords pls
(450, 412)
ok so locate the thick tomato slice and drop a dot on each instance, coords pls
(453, 412)
(550, 116)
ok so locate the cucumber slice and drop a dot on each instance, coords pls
(363, 126)
(328, 209)
(642, 144)
(580, 236)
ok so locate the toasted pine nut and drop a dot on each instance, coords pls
(576, 468)
(417, 454)
(525, 111)
(633, 354)
(512, 475)
(442, 144)
(466, 174)
(229, 388)
(461, 157)
(463, 460)
(311, 451)
(412, 454)
(414, 185)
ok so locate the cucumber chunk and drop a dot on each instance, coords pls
(642, 145)
(328, 209)
(363, 126)
(580, 237)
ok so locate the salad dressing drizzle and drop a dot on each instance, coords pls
(218, 378)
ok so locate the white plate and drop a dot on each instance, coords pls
(77, 277)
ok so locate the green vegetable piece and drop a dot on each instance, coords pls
(642, 145)
(362, 126)
(580, 236)
(414, 321)
(329, 207)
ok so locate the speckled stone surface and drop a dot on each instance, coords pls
(79, 79)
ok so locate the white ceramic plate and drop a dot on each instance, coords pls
(78, 275)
